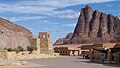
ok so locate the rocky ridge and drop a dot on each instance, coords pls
(64, 40)
(13, 35)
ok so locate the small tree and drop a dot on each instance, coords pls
(20, 48)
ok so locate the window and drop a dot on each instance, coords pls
(44, 36)
(63, 51)
(66, 51)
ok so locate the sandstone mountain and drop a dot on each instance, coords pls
(64, 40)
(13, 35)
(95, 27)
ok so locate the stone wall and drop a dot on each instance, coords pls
(11, 55)
(3, 54)
(116, 56)
(33, 41)
(44, 46)
(36, 42)
(62, 51)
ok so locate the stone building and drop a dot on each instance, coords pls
(43, 43)
(110, 50)
(68, 49)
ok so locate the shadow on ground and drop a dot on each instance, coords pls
(105, 64)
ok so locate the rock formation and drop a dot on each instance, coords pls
(95, 27)
(64, 40)
(13, 35)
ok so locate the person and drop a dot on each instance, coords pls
(83, 56)
(103, 58)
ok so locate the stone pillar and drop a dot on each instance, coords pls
(91, 55)
(108, 56)
(71, 52)
(80, 51)
(38, 46)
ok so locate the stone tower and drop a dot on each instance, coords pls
(45, 43)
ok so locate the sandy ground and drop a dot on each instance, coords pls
(63, 62)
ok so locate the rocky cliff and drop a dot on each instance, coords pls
(64, 40)
(13, 35)
(95, 27)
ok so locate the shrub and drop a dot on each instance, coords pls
(31, 48)
(16, 50)
(5, 48)
(34, 47)
(10, 49)
(20, 48)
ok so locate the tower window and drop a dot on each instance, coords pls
(43, 36)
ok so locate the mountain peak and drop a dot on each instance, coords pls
(95, 27)
(88, 7)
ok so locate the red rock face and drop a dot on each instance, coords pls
(95, 27)
(13, 35)
(64, 40)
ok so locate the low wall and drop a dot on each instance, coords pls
(3, 54)
(11, 55)
(23, 53)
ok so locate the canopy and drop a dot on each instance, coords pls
(100, 49)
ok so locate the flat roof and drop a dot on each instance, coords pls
(70, 45)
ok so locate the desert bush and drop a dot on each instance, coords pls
(10, 49)
(20, 48)
(16, 50)
(31, 48)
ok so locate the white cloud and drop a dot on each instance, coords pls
(49, 22)
(25, 9)
(61, 3)
(23, 18)
(43, 6)
(65, 14)
(46, 7)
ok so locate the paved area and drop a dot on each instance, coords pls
(64, 62)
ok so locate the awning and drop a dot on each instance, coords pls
(115, 50)
(100, 49)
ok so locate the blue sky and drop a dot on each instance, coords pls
(58, 17)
